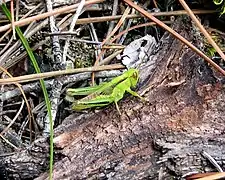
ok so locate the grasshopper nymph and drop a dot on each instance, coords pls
(106, 93)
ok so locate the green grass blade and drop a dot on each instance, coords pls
(37, 69)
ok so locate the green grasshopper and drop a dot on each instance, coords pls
(105, 93)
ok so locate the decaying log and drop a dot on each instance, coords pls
(162, 137)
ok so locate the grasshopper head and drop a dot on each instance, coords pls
(134, 76)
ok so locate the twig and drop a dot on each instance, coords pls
(58, 64)
(131, 16)
(32, 77)
(110, 57)
(7, 112)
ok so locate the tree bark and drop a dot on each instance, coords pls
(163, 137)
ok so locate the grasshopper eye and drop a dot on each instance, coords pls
(135, 75)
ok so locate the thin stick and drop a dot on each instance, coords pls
(131, 16)
(38, 76)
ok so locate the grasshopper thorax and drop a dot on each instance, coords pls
(133, 76)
